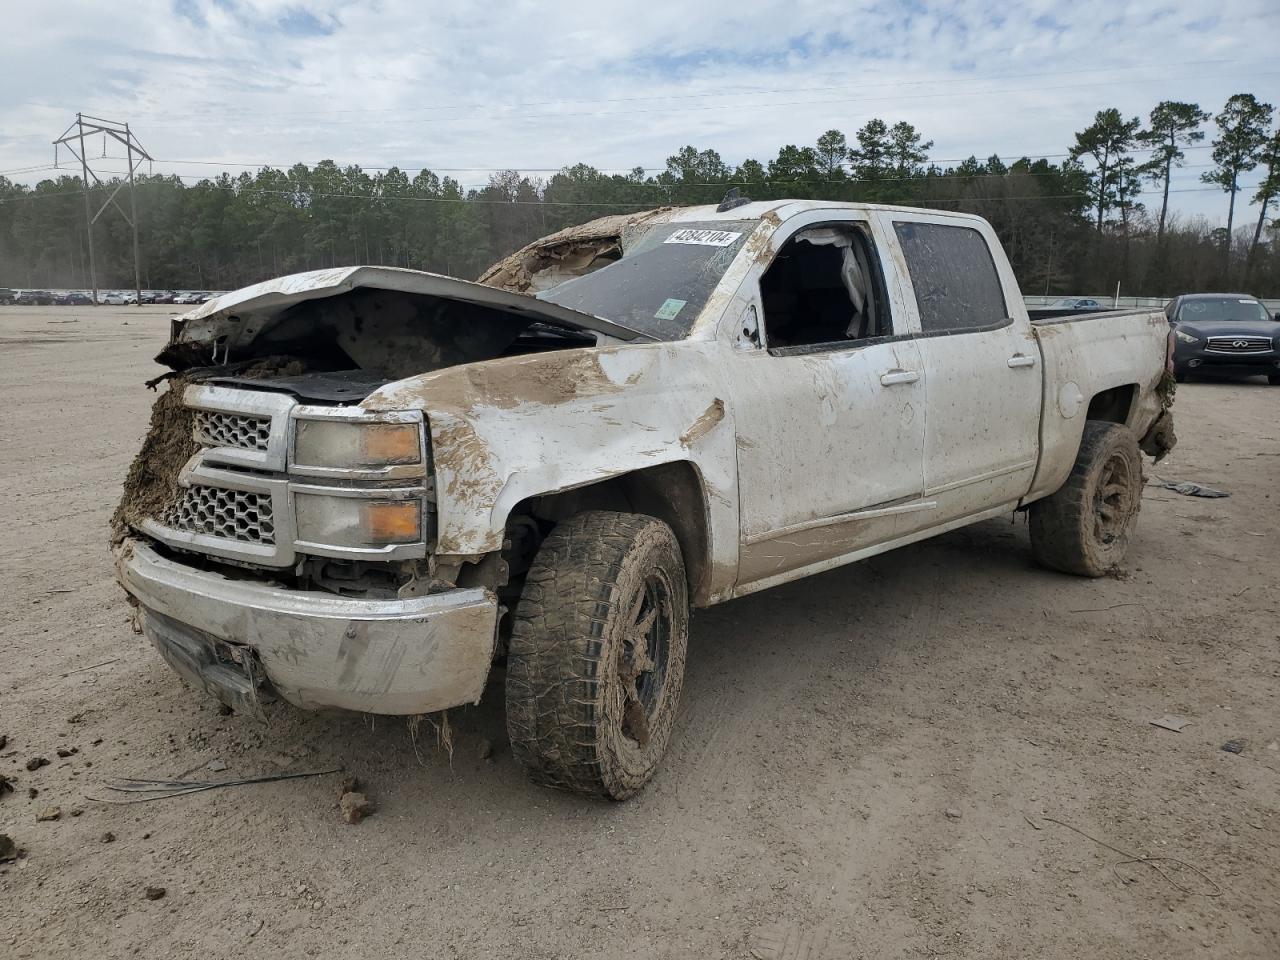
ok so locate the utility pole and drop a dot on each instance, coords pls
(87, 126)
(88, 220)
(133, 215)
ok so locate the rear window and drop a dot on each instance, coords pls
(955, 280)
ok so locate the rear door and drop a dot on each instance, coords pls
(981, 362)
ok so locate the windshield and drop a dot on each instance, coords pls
(662, 281)
(1222, 308)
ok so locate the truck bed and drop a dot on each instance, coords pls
(1043, 317)
(1095, 355)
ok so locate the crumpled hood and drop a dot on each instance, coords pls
(224, 329)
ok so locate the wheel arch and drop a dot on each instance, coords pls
(673, 492)
(1061, 437)
(1114, 404)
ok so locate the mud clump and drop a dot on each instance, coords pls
(274, 367)
(151, 485)
(355, 807)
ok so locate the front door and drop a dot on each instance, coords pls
(829, 408)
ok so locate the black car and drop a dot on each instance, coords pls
(75, 299)
(1228, 333)
(39, 298)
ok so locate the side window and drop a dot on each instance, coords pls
(824, 288)
(955, 279)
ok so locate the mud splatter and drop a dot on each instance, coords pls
(705, 422)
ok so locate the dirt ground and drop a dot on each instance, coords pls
(865, 765)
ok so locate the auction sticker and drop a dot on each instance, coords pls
(670, 309)
(704, 238)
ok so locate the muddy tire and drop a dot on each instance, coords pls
(597, 654)
(1085, 527)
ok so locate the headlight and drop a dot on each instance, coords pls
(334, 447)
(1186, 337)
(356, 522)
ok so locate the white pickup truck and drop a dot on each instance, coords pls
(364, 487)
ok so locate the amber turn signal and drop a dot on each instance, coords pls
(395, 521)
(390, 443)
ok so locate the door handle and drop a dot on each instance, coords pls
(891, 377)
(1022, 360)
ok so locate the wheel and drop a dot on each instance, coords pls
(1182, 374)
(597, 653)
(1084, 528)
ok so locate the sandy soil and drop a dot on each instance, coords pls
(827, 729)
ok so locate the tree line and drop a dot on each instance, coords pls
(1077, 225)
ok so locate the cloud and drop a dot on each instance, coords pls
(514, 83)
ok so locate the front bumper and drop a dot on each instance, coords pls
(317, 650)
(1196, 356)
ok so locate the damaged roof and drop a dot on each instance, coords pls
(568, 253)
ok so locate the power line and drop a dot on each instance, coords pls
(285, 167)
(304, 185)
(595, 203)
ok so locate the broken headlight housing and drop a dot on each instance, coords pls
(344, 521)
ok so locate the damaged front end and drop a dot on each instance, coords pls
(284, 555)
(277, 535)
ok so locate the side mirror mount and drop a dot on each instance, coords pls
(748, 334)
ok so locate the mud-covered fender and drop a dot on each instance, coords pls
(505, 430)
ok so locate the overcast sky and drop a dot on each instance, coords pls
(467, 87)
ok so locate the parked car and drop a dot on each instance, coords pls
(6, 296)
(187, 297)
(75, 298)
(28, 298)
(164, 296)
(1066, 306)
(697, 404)
(1076, 303)
(112, 299)
(1224, 333)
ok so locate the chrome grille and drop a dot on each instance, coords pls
(230, 514)
(1241, 344)
(232, 430)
